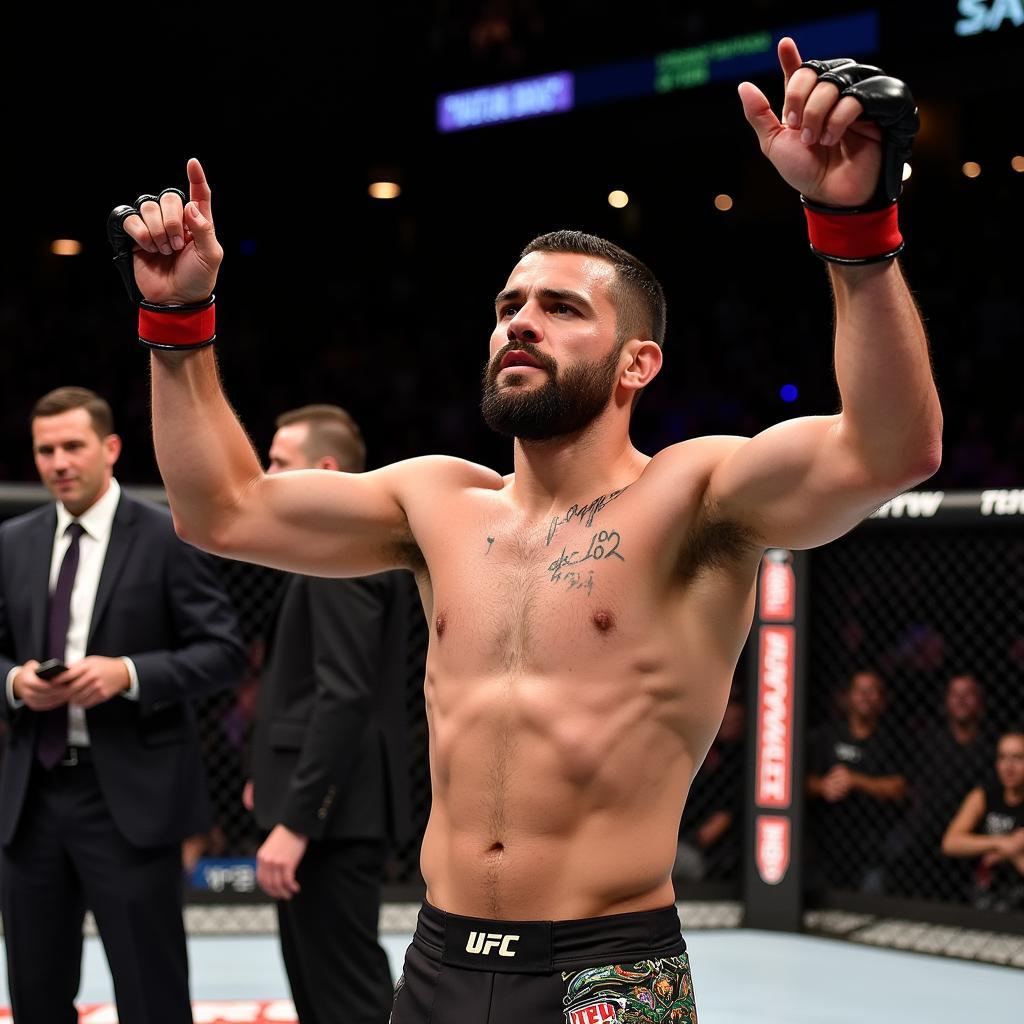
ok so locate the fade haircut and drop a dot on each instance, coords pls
(65, 399)
(332, 431)
(636, 293)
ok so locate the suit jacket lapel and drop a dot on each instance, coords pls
(122, 538)
(39, 553)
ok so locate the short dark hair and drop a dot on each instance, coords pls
(53, 403)
(332, 431)
(637, 294)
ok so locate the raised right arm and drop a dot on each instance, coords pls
(315, 522)
(312, 521)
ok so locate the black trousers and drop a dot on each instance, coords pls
(626, 968)
(337, 970)
(67, 856)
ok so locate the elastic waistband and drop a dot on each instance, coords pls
(540, 947)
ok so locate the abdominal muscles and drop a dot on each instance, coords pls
(555, 796)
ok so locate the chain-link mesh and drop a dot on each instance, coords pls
(915, 659)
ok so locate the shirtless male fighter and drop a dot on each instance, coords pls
(586, 611)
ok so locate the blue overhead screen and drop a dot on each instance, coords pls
(721, 60)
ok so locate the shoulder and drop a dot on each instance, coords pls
(145, 511)
(440, 472)
(16, 526)
(149, 518)
(698, 457)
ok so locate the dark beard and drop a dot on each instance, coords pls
(564, 404)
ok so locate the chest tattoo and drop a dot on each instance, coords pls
(585, 515)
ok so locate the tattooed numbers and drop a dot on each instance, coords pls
(603, 544)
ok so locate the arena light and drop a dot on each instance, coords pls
(907, 172)
(65, 247)
(1017, 163)
(385, 190)
(971, 169)
(723, 202)
(789, 393)
(618, 199)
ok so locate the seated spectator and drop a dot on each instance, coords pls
(990, 827)
(856, 784)
(709, 837)
(951, 756)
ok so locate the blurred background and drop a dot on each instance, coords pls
(384, 305)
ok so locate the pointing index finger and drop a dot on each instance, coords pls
(199, 188)
(789, 57)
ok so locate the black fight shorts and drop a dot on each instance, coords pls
(626, 968)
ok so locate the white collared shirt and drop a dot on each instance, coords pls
(97, 522)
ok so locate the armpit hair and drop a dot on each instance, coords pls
(715, 543)
(406, 552)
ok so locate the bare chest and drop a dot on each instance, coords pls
(529, 596)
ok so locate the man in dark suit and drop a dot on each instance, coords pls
(102, 779)
(329, 766)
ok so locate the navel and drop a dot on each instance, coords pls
(604, 621)
(439, 625)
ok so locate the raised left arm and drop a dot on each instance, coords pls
(806, 481)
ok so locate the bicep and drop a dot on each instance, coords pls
(797, 484)
(319, 522)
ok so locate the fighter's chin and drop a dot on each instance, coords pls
(519, 376)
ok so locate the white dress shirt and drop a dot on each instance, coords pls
(96, 522)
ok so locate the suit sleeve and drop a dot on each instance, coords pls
(208, 654)
(346, 631)
(7, 662)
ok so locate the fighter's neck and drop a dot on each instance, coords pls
(575, 468)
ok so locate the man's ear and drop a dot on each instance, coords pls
(111, 449)
(644, 365)
(327, 462)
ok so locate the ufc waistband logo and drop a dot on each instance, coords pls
(486, 942)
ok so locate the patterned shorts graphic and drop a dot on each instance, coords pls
(648, 992)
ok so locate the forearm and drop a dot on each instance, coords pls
(205, 457)
(969, 844)
(891, 415)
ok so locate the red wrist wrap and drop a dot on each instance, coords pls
(178, 327)
(854, 236)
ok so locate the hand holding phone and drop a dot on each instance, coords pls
(51, 669)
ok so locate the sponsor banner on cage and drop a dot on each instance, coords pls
(912, 505)
(778, 587)
(224, 874)
(772, 848)
(204, 1011)
(1002, 503)
(776, 669)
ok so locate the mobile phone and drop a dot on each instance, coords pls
(50, 669)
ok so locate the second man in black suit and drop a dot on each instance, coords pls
(329, 765)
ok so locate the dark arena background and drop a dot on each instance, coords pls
(384, 305)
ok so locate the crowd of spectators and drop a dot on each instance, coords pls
(933, 812)
(936, 813)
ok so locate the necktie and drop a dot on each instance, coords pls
(53, 728)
